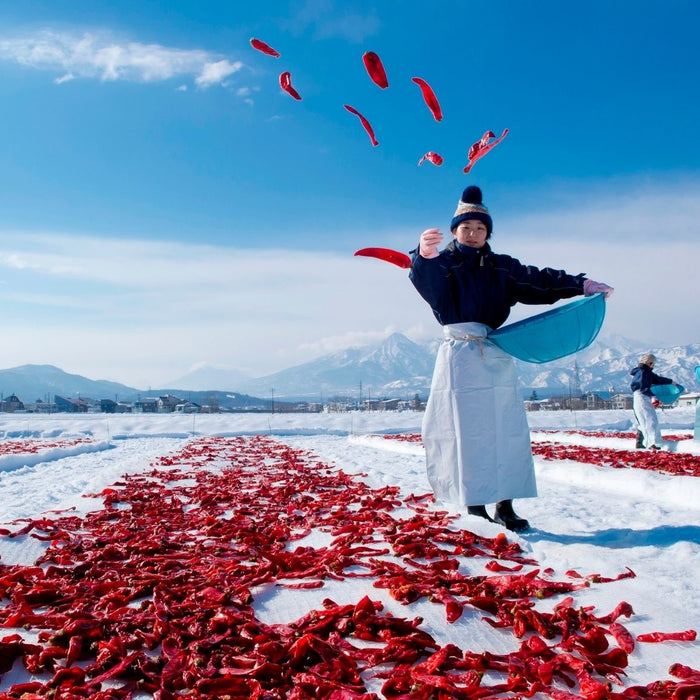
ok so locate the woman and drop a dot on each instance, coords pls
(475, 432)
(643, 378)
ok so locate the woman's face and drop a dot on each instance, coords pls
(471, 232)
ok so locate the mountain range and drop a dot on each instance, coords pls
(395, 368)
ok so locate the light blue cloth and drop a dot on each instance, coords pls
(555, 333)
(475, 431)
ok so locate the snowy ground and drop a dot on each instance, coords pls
(587, 518)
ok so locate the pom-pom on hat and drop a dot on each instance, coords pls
(471, 207)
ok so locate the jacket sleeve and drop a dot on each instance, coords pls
(656, 379)
(430, 277)
(531, 285)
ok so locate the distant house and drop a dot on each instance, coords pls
(619, 401)
(688, 399)
(168, 403)
(147, 405)
(598, 401)
(188, 407)
(65, 405)
(11, 404)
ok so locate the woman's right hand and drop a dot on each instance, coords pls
(429, 242)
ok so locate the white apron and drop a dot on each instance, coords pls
(475, 431)
(647, 420)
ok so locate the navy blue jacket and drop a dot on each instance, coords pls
(643, 379)
(467, 284)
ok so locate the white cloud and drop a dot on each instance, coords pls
(152, 309)
(142, 312)
(217, 72)
(99, 55)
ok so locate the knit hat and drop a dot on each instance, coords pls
(470, 206)
(647, 359)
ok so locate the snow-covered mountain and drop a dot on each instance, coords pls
(400, 368)
(395, 367)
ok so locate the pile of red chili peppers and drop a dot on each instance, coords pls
(153, 595)
(16, 447)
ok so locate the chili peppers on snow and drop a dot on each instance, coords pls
(686, 636)
(154, 594)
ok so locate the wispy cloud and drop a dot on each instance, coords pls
(101, 56)
(327, 21)
(150, 309)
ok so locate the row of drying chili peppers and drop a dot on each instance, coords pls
(154, 594)
(24, 446)
(674, 463)
(615, 434)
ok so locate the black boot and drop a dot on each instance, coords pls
(480, 511)
(639, 444)
(506, 516)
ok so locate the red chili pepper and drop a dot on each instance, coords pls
(375, 69)
(482, 147)
(391, 256)
(453, 608)
(623, 608)
(286, 85)
(686, 691)
(687, 636)
(623, 637)
(493, 565)
(265, 48)
(365, 124)
(429, 97)
(434, 158)
(685, 672)
(302, 585)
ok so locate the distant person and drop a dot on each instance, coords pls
(475, 431)
(644, 402)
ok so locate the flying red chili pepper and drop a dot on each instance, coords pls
(375, 69)
(365, 124)
(482, 147)
(264, 48)
(433, 157)
(286, 85)
(429, 97)
(388, 255)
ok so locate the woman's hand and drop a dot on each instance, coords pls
(429, 242)
(590, 287)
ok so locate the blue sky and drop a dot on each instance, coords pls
(164, 203)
